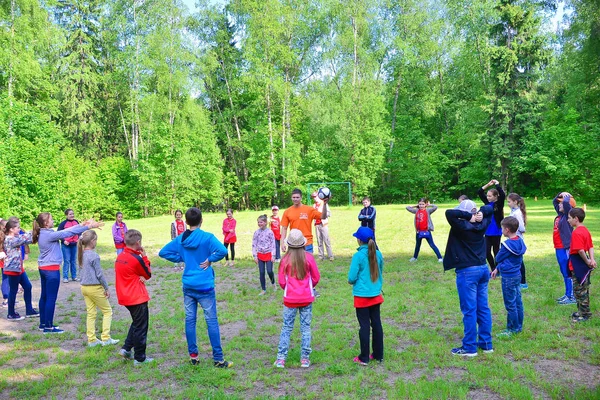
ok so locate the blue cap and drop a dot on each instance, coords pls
(364, 234)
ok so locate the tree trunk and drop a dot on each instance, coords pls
(10, 66)
(272, 155)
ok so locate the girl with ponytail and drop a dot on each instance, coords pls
(366, 277)
(518, 210)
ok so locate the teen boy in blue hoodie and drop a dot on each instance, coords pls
(198, 250)
(508, 264)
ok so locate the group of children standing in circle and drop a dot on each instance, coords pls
(298, 273)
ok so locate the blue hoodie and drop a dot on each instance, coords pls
(193, 248)
(510, 257)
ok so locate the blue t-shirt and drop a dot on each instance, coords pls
(493, 228)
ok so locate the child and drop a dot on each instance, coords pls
(298, 275)
(132, 270)
(517, 209)
(561, 236)
(582, 262)
(366, 278)
(275, 224)
(177, 228)
(263, 251)
(424, 227)
(69, 247)
(12, 241)
(367, 215)
(508, 264)
(494, 198)
(5, 289)
(465, 252)
(230, 238)
(198, 249)
(119, 229)
(94, 289)
(49, 264)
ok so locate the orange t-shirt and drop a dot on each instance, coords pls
(301, 218)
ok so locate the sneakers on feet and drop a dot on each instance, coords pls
(54, 329)
(5, 304)
(279, 363)
(33, 314)
(579, 318)
(373, 358)
(487, 351)
(440, 260)
(562, 298)
(460, 351)
(331, 259)
(95, 343)
(262, 293)
(524, 286)
(15, 317)
(223, 364)
(412, 259)
(569, 300)
(148, 360)
(128, 355)
(75, 279)
(194, 361)
(110, 342)
(357, 360)
(304, 363)
(65, 280)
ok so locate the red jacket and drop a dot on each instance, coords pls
(129, 267)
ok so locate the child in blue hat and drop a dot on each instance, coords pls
(366, 278)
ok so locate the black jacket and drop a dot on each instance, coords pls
(498, 204)
(466, 242)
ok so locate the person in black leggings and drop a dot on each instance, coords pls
(494, 197)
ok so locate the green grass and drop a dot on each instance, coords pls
(552, 358)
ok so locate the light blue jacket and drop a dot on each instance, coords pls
(360, 275)
(193, 249)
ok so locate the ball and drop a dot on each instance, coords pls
(572, 200)
(324, 193)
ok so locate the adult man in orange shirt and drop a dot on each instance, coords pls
(300, 216)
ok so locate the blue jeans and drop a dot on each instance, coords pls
(69, 261)
(431, 244)
(562, 256)
(208, 302)
(309, 248)
(289, 316)
(472, 285)
(13, 282)
(50, 282)
(511, 292)
(5, 288)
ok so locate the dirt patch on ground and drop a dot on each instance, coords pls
(483, 394)
(574, 374)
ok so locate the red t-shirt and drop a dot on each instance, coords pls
(421, 220)
(364, 302)
(275, 225)
(558, 244)
(179, 227)
(581, 240)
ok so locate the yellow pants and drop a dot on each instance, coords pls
(94, 297)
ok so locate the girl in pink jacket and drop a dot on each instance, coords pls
(230, 237)
(298, 275)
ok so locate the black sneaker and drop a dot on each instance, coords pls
(33, 314)
(194, 361)
(223, 364)
(14, 317)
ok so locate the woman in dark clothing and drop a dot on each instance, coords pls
(494, 197)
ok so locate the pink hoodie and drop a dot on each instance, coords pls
(297, 291)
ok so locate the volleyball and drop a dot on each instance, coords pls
(324, 193)
(572, 201)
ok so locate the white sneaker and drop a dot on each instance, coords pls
(262, 293)
(94, 343)
(412, 259)
(110, 341)
(440, 260)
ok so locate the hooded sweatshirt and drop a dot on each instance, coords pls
(193, 247)
(510, 257)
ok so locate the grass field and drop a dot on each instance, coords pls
(553, 358)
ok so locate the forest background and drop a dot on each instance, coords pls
(145, 106)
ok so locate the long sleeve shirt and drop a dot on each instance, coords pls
(263, 241)
(90, 271)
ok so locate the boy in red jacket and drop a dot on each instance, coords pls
(132, 270)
